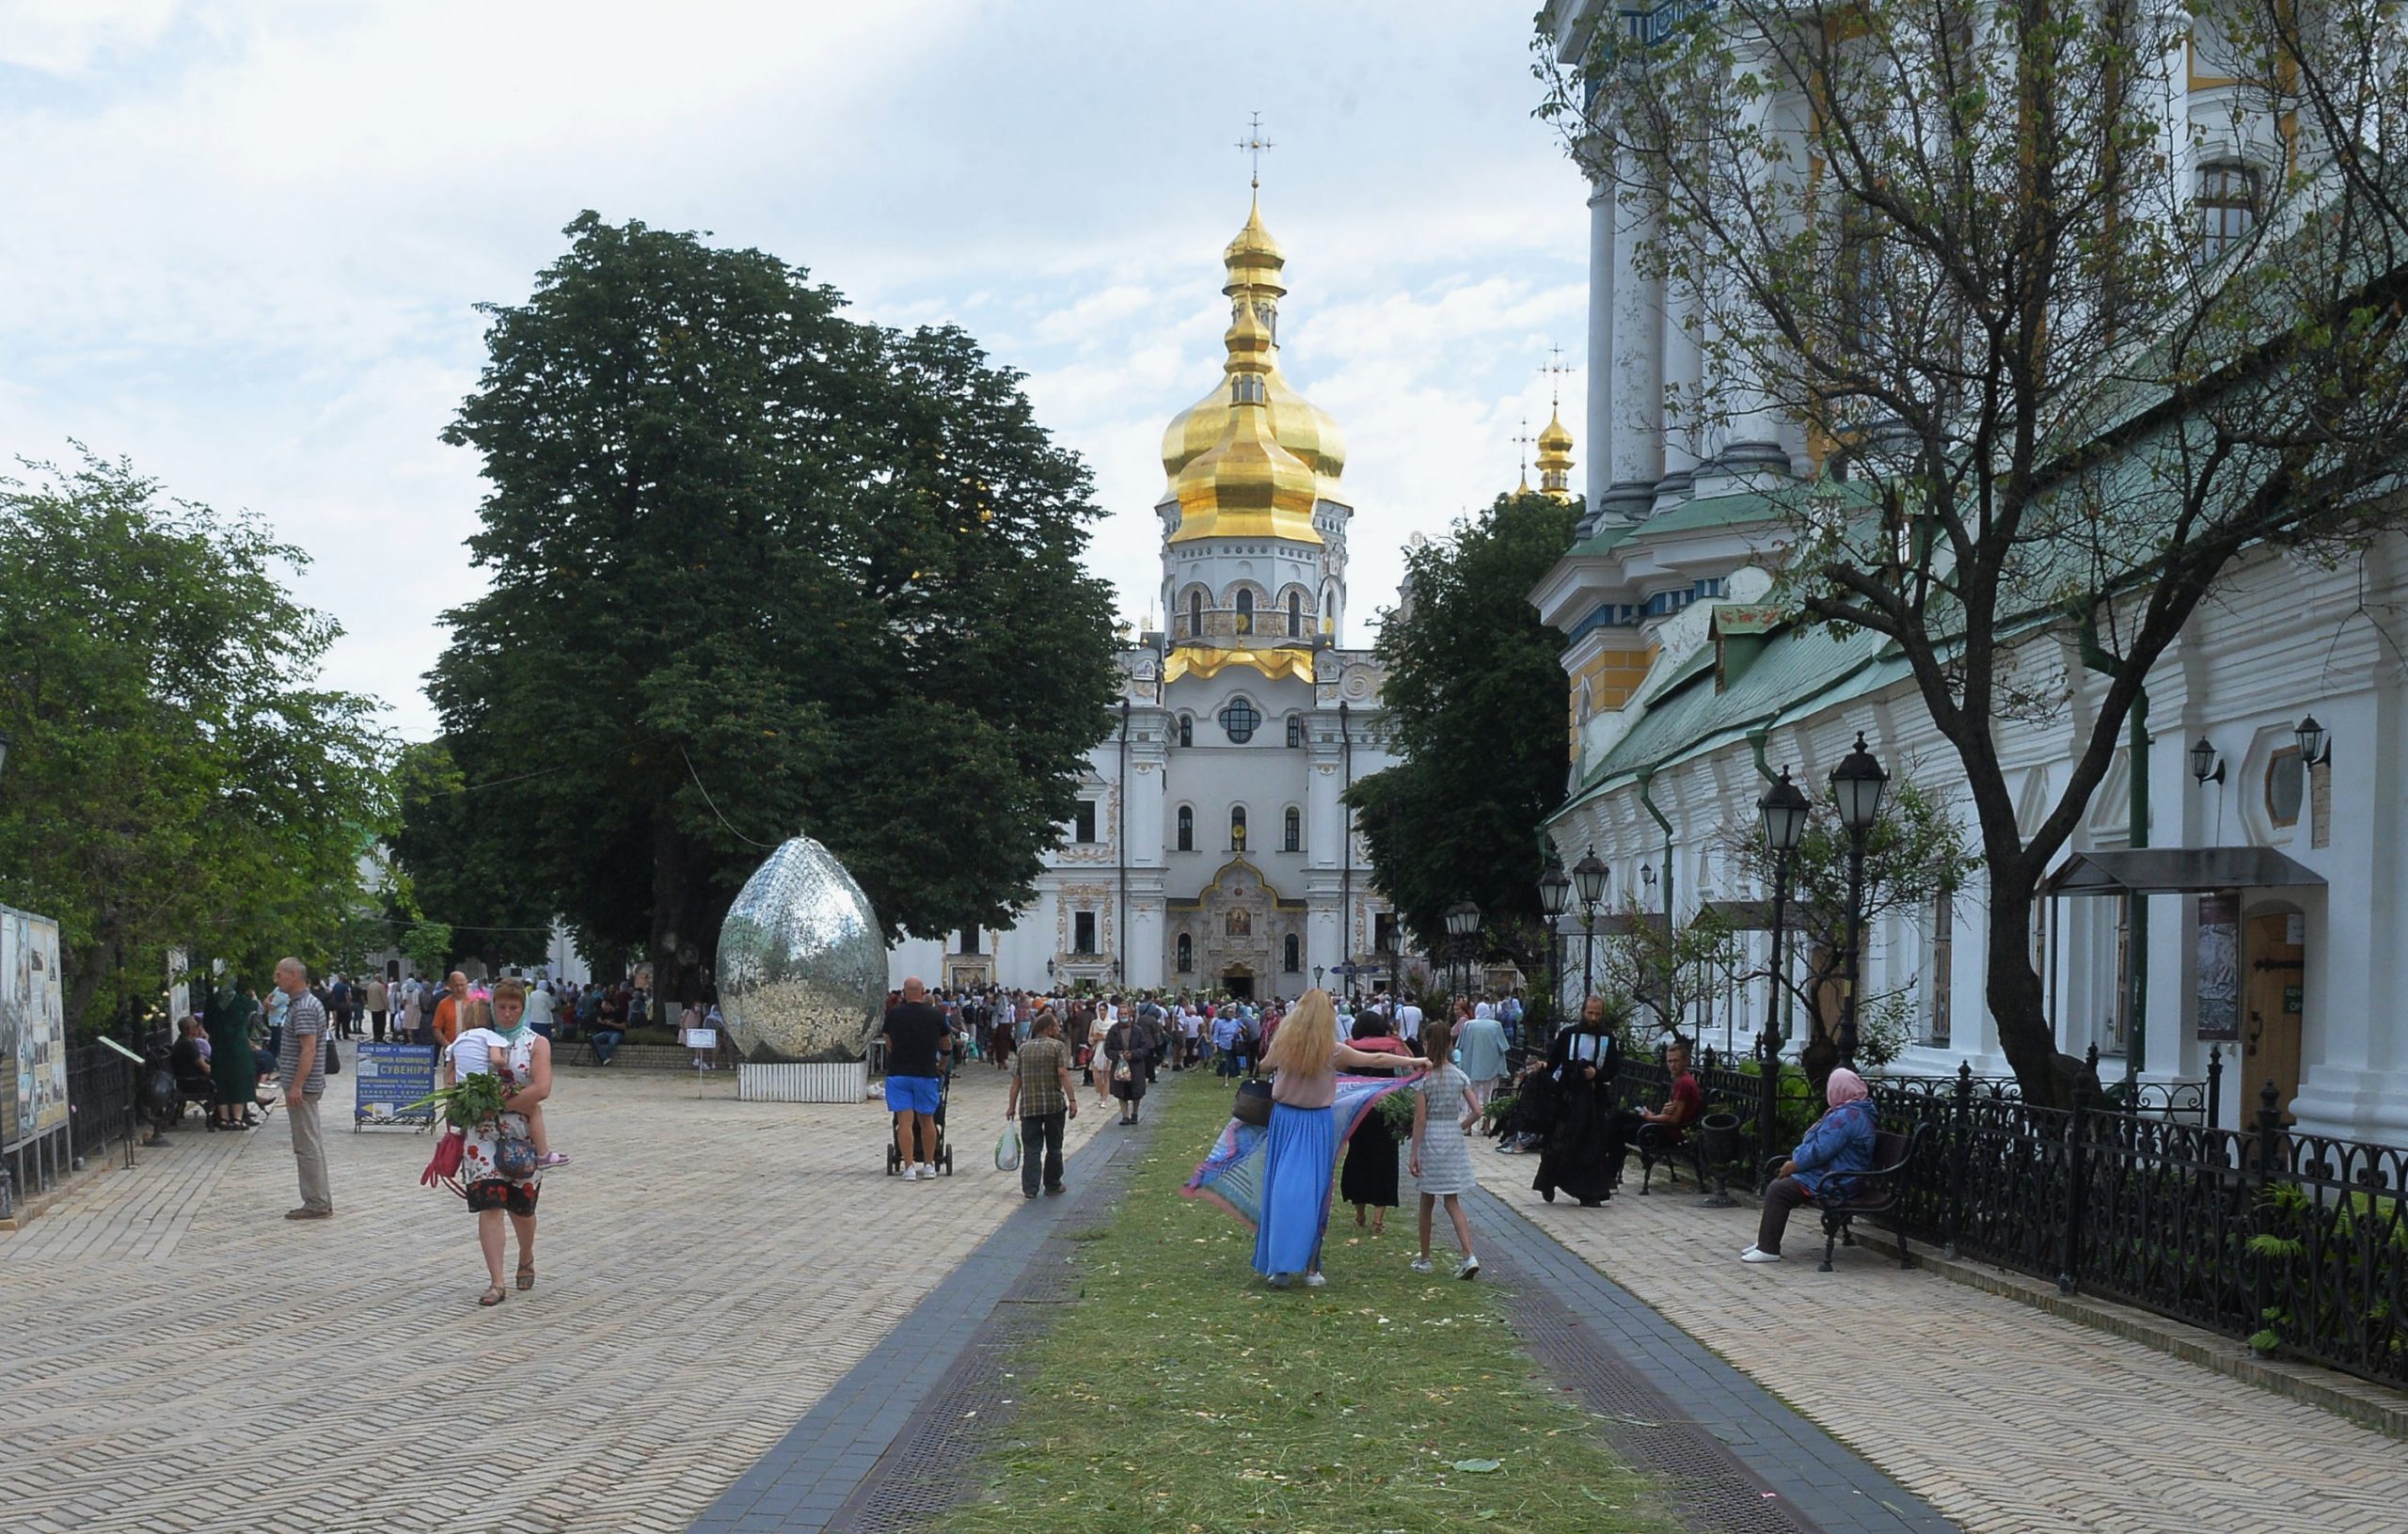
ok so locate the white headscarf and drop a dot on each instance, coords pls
(1483, 1010)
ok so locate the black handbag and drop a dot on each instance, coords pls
(334, 1057)
(1254, 1102)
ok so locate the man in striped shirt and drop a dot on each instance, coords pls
(301, 1066)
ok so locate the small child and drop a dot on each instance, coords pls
(502, 1018)
(1441, 1163)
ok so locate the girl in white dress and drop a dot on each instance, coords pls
(1441, 1165)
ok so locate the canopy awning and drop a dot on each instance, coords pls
(2178, 870)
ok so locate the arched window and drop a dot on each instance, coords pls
(1186, 954)
(1295, 729)
(1186, 730)
(1196, 616)
(1292, 953)
(1237, 828)
(1294, 835)
(1187, 828)
(2227, 207)
(1246, 612)
(1241, 719)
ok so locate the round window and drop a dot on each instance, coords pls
(1238, 716)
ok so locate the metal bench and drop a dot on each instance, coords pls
(1875, 1193)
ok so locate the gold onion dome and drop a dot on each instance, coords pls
(1254, 262)
(1555, 457)
(1246, 485)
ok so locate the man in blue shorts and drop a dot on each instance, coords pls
(916, 1040)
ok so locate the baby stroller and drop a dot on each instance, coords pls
(942, 1158)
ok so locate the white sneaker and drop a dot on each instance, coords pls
(1422, 1265)
(1470, 1268)
(911, 1172)
(1314, 1280)
(927, 1172)
(1757, 1254)
(1278, 1280)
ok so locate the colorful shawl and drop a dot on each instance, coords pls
(1232, 1176)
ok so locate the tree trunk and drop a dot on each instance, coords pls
(2018, 1002)
(681, 912)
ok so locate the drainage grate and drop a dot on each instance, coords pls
(932, 1463)
(1704, 1484)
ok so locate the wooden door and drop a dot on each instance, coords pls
(2273, 1000)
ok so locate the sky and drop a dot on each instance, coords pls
(240, 243)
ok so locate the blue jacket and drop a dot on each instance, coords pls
(1839, 1142)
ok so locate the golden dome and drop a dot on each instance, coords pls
(1555, 458)
(1245, 484)
(1254, 262)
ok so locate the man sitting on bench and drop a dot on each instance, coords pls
(1658, 1129)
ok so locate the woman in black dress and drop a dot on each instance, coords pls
(1128, 1049)
(1583, 1152)
(1368, 1180)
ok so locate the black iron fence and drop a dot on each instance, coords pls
(2285, 1240)
(100, 1114)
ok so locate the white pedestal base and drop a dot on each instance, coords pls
(839, 1083)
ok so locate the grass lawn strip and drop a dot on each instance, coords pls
(1178, 1395)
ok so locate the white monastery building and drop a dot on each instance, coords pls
(2275, 893)
(1210, 849)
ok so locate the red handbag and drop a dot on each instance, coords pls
(445, 1163)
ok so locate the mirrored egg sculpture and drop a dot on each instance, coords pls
(802, 963)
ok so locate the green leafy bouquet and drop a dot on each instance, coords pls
(467, 1104)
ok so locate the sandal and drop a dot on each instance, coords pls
(526, 1274)
(493, 1295)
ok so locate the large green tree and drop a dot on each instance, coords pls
(176, 776)
(756, 569)
(1475, 686)
(457, 870)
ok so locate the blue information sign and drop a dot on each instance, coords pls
(386, 1077)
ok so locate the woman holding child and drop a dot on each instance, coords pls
(503, 1156)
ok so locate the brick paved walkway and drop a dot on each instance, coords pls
(2006, 1420)
(175, 1355)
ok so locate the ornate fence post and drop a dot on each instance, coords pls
(1961, 1132)
(2215, 1082)
(2077, 1189)
(2270, 1159)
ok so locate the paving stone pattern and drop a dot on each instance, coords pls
(1733, 1459)
(175, 1355)
(2006, 1420)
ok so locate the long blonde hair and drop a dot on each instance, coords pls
(1308, 1036)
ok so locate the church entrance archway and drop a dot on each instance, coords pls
(1239, 984)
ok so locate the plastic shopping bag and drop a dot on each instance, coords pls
(1007, 1151)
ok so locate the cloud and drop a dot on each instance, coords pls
(245, 238)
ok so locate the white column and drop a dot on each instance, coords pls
(1601, 342)
(1637, 453)
(1747, 442)
(1684, 374)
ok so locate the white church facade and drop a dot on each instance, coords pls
(1211, 848)
(2276, 938)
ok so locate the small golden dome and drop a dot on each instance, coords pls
(1555, 458)
(1254, 261)
(1245, 484)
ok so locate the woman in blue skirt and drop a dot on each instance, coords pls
(1301, 1152)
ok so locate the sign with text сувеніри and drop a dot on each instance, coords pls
(33, 1023)
(387, 1078)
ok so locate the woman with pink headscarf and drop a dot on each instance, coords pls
(1840, 1143)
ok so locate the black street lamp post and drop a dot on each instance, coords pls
(1785, 807)
(1463, 920)
(1589, 875)
(1857, 785)
(1555, 898)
